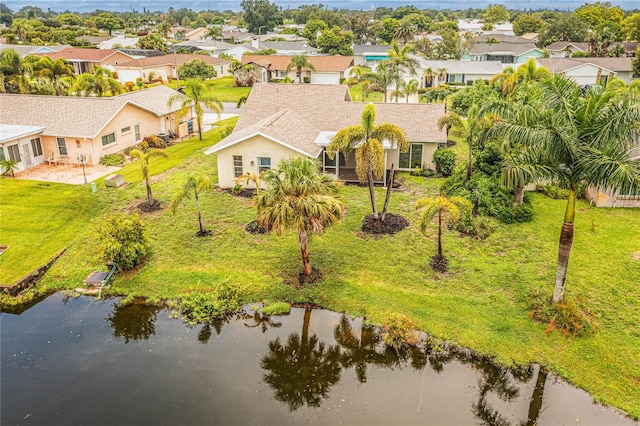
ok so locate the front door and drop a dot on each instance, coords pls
(26, 155)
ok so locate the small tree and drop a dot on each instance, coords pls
(299, 62)
(196, 68)
(298, 197)
(8, 167)
(441, 206)
(195, 185)
(123, 240)
(144, 164)
(197, 94)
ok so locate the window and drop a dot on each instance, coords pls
(412, 158)
(125, 130)
(62, 146)
(36, 147)
(108, 139)
(2, 157)
(264, 163)
(136, 129)
(14, 153)
(237, 166)
(328, 162)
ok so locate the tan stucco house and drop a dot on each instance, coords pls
(87, 60)
(328, 69)
(67, 126)
(165, 67)
(285, 121)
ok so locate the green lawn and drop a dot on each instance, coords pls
(223, 88)
(481, 303)
(356, 94)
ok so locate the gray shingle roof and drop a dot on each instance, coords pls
(503, 48)
(361, 49)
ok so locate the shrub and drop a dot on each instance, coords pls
(123, 240)
(237, 189)
(277, 308)
(399, 332)
(200, 308)
(445, 160)
(554, 192)
(515, 214)
(112, 160)
(153, 141)
(226, 131)
(570, 315)
(479, 227)
(306, 79)
(129, 85)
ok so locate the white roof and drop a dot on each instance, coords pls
(10, 132)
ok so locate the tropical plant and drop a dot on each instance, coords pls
(577, 139)
(197, 94)
(411, 88)
(144, 165)
(10, 71)
(400, 61)
(441, 73)
(405, 32)
(467, 129)
(8, 167)
(444, 208)
(193, 185)
(299, 62)
(251, 177)
(366, 140)
(363, 76)
(60, 72)
(429, 74)
(123, 240)
(297, 196)
(99, 83)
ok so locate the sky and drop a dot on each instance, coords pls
(163, 5)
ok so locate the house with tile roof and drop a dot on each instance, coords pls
(165, 67)
(288, 120)
(328, 69)
(87, 60)
(25, 49)
(454, 71)
(67, 126)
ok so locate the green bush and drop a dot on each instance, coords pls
(277, 308)
(554, 192)
(123, 240)
(112, 160)
(445, 161)
(399, 332)
(306, 79)
(201, 308)
(515, 214)
(479, 227)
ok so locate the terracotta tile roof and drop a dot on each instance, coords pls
(321, 63)
(285, 126)
(180, 58)
(78, 116)
(89, 55)
(328, 108)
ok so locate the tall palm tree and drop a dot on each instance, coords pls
(468, 129)
(576, 139)
(384, 76)
(144, 165)
(411, 88)
(363, 76)
(192, 185)
(197, 94)
(60, 72)
(443, 207)
(401, 61)
(99, 83)
(299, 62)
(366, 140)
(297, 196)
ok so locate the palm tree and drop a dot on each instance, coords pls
(366, 140)
(441, 206)
(197, 94)
(363, 76)
(405, 32)
(215, 32)
(577, 139)
(400, 60)
(10, 71)
(195, 185)
(60, 72)
(384, 76)
(100, 83)
(468, 129)
(442, 74)
(429, 73)
(411, 88)
(299, 62)
(297, 196)
(144, 164)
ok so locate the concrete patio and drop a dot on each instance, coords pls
(65, 173)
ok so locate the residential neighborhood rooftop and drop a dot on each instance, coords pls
(321, 63)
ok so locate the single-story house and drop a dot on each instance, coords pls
(119, 41)
(86, 60)
(47, 128)
(238, 50)
(507, 52)
(328, 69)
(285, 47)
(25, 49)
(236, 36)
(454, 71)
(564, 49)
(369, 55)
(165, 67)
(284, 121)
(95, 40)
(214, 47)
(475, 26)
(582, 70)
(286, 37)
(622, 67)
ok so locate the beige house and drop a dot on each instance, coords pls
(589, 71)
(87, 60)
(328, 69)
(69, 126)
(165, 67)
(284, 121)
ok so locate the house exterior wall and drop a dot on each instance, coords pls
(28, 158)
(326, 77)
(525, 57)
(428, 148)
(250, 150)
(601, 199)
(585, 74)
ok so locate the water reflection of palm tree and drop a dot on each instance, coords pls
(303, 370)
(133, 322)
(357, 351)
(263, 321)
(535, 404)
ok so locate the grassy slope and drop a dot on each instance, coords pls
(223, 88)
(481, 303)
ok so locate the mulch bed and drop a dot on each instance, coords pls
(300, 279)
(255, 229)
(392, 223)
(245, 193)
(205, 233)
(145, 207)
(439, 264)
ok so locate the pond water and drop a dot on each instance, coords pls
(82, 361)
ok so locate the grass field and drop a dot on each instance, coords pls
(482, 303)
(223, 88)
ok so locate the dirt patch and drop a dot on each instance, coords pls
(253, 228)
(392, 223)
(205, 233)
(245, 193)
(439, 264)
(299, 279)
(635, 256)
(145, 207)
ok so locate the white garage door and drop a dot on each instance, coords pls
(325, 78)
(128, 75)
